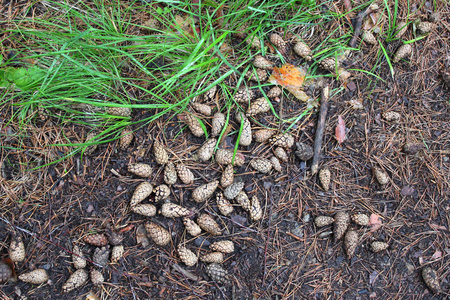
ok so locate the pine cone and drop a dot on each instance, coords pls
(274, 92)
(101, 256)
(77, 279)
(212, 257)
(202, 108)
(303, 50)
(217, 273)
(325, 178)
(259, 106)
(254, 42)
(38, 276)
(171, 210)
(207, 149)
(246, 134)
(243, 95)
(377, 246)
(243, 200)
(322, 221)
(304, 152)
(191, 227)
(402, 52)
(262, 135)
(425, 27)
(207, 223)
(5, 272)
(341, 221)
(262, 165)
(233, 190)
(89, 139)
(284, 140)
(185, 174)
(160, 153)
(119, 111)
(369, 38)
(96, 277)
(117, 253)
(281, 154)
(262, 63)
(276, 164)
(126, 138)
(78, 262)
(16, 249)
(187, 256)
(97, 239)
(329, 64)
(148, 210)
(142, 191)
(255, 209)
(351, 241)
(258, 75)
(194, 125)
(170, 174)
(162, 192)
(381, 176)
(360, 219)
(209, 95)
(158, 234)
(278, 42)
(401, 27)
(218, 122)
(203, 192)
(391, 116)
(227, 176)
(225, 157)
(142, 170)
(224, 205)
(431, 279)
(222, 246)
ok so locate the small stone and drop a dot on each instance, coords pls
(381, 176)
(16, 249)
(126, 138)
(431, 279)
(158, 234)
(278, 42)
(274, 92)
(202, 108)
(243, 200)
(325, 178)
(208, 224)
(217, 273)
(212, 257)
(148, 210)
(160, 153)
(222, 246)
(233, 190)
(5, 272)
(322, 221)
(243, 95)
(38, 276)
(341, 221)
(255, 209)
(90, 138)
(191, 227)
(391, 116)
(350, 242)
(259, 106)
(302, 50)
(194, 125)
(162, 192)
(304, 152)
(262, 135)
(117, 253)
(97, 239)
(360, 219)
(217, 124)
(284, 140)
(76, 280)
(185, 174)
(119, 111)
(227, 176)
(224, 205)
(78, 261)
(187, 256)
(377, 246)
(262, 165)
(276, 164)
(139, 169)
(281, 154)
(225, 157)
(262, 63)
(101, 255)
(96, 277)
(205, 191)
(171, 210)
(402, 52)
(246, 133)
(170, 174)
(206, 151)
(142, 191)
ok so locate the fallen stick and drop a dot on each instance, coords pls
(320, 129)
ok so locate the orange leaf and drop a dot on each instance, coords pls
(290, 77)
(340, 130)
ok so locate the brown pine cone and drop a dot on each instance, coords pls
(369, 38)
(78, 262)
(246, 134)
(284, 140)
(276, 164)
(90, 138)
(170, 174)
(341, 221)
(350, 242)
(431, 279)
(401, 27)
(329, 64)
(254, 42)
(303, 50)
(142, 191)
(281, 154)
(274, 92)
(378, 246)
(139, 169)
(381, 176)
(209, 95)
(360, 219)
(208, 224)
(117, 253)
(262, 165)
(148, 210)
(227, 176)
(96, 277)
(77, 279)
(162, 192)
(5, 272)
(262, 63)
(202, 108)
(225, 157)
(425, 27)
(259, 106)
(402, 52)
(278, 42)
(160, 153)
(243, 200)
(119, 111)
(258, 75)
(222, 246)
(224, 205)
(212, 257)
(16, 249)
(187, 256)
(158, 234)
(185, 174)
(233, 190)
(126, 138)
(391, 116)
(304, 152)
(191, 227)
(101, 255)
(203, 192)
(171, 210)
(325, 178)
(38, 276)
(218, 122)
(206, 151)
(194, 125)
(255, 209)
(262, 135)
(217, 273)
(243, 95)
(97, 239)
(322, 221)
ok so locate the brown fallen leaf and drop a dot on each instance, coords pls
(290, 77)
(374, 222)
(340, 130)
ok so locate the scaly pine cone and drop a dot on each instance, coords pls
(203, 192)
(259, 106)
(160, 153)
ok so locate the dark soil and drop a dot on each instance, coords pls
(283, 256)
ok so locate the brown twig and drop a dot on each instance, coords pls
(320, 129)
(358, 25)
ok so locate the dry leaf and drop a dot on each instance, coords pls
(290, 77)
(437, 254)
(340, 130)
(374, 222)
